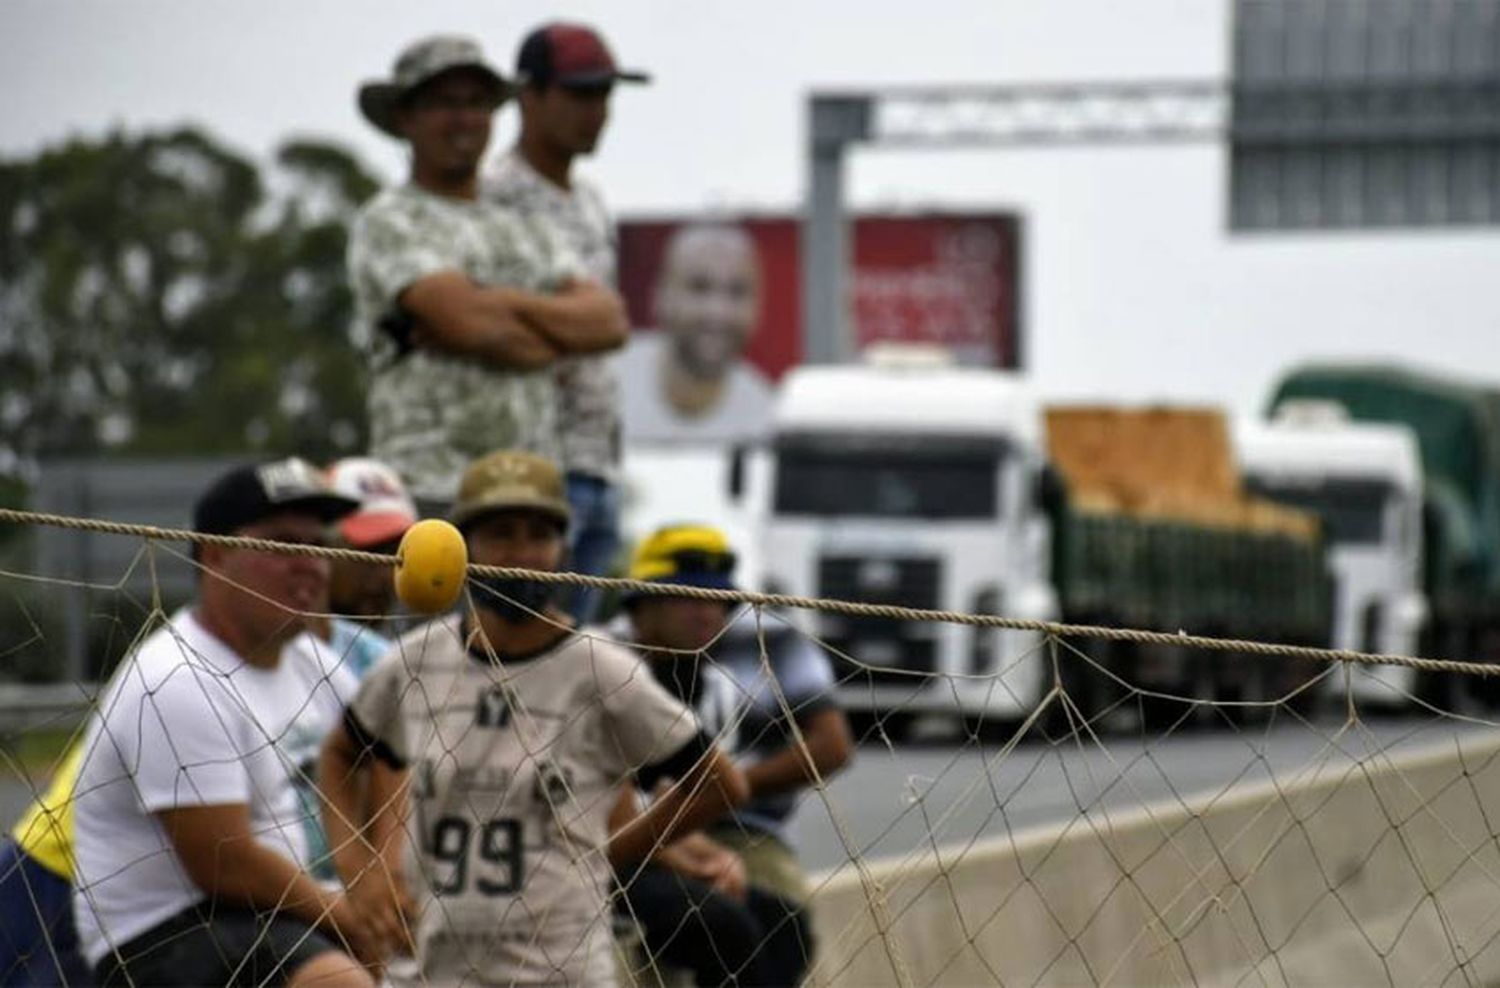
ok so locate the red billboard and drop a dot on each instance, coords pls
(718, 308)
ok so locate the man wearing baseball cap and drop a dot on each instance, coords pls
(565, 74)
(385, 512)
(465, 307)
(514, 731)
(189, 839)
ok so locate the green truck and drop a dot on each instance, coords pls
(1151, 529)
(1457, 427)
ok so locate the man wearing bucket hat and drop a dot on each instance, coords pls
(565, 77)
(512, 731)
(715, 665)
(464, 305)
(189, 840)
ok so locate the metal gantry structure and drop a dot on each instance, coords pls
(967, 116)
(1336, 127)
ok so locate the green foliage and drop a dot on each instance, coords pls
(160, 295)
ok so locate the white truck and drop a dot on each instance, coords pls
(914, 486)
(1364, 480)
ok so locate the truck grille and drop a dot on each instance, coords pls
(890, 658)
(892, 648)
(879, 580)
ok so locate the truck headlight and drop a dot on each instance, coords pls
(984, 643)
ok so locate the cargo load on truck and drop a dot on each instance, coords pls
(1153, 528)
(1172, 464)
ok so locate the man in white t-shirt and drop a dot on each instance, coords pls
(688, 381)
(190, 847)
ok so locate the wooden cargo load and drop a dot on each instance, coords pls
(1173, 464)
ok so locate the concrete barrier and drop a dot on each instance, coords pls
(1382, 872)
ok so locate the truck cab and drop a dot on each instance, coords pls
(1364, 481)
(913, 486)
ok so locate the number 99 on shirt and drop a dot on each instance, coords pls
(493, 859)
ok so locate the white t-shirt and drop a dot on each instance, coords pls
(186, 722)
(742, 414)
(330, 672)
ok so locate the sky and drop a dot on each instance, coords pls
(1134, 289)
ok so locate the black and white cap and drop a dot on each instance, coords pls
(246, 494)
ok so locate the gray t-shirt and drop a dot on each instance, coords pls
(433, 412)
(515, 766)
(589, 411)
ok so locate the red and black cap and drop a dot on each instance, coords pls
(572, 55)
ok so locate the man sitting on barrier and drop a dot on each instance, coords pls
(736, 699)
(189, 841)
(38, 941)
(360, 590)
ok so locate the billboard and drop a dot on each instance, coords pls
(717, 306)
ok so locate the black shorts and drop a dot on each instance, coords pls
(207, 945)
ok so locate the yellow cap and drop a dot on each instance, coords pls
(692, 555)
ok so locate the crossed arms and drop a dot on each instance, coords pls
(511, 329)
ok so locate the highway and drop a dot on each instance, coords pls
(896, 798)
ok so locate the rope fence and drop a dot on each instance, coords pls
(833, 606)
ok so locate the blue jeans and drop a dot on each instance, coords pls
(593, 538)
(38, 944)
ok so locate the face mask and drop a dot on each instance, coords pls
(680, 674)
(512, 600)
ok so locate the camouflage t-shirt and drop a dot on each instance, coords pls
(432, 412)
(515, 767)
(576, 218)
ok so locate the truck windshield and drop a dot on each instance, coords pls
(888, 477)
(1352, 510)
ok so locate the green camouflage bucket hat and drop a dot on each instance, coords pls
(423, 60)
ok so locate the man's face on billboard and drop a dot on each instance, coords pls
(708, 298)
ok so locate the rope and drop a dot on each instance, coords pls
(831, 606)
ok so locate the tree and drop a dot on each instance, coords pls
(158, 295)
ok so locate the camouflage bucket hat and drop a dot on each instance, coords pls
(510, 480)
(423, 60)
